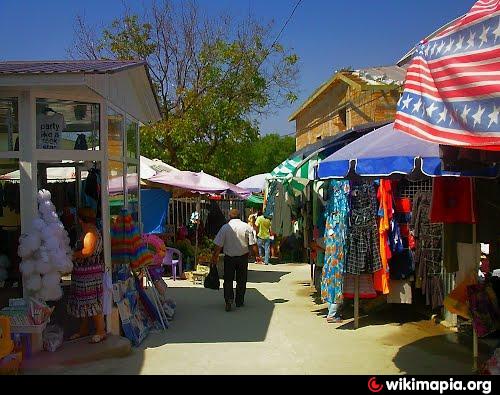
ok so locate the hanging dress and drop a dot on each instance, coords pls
(86, 290)
(363, 253)
(337, 215)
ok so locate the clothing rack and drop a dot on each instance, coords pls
(409, 190)
(412, 187)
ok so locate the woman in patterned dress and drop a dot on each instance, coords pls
(85, 298)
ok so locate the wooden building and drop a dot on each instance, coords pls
(349, 98)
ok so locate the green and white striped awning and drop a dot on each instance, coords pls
(287, 168)
(290, 173)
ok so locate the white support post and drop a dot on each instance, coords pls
(475, 347)
(106, 228)
(28, 159)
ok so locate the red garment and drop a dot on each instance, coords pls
(402, 205)
(453, 200)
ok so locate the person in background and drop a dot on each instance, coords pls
(235, 238)
(263, 229)
(251, 221)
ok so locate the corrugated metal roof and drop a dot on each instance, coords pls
(67, 66)
(383, 75)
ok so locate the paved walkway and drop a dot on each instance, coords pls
(281, 330)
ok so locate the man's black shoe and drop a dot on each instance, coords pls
(228, 306)
(240, 304)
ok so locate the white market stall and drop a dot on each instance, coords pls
(61, 119)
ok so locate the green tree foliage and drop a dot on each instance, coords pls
(260, 156)
(214, 80)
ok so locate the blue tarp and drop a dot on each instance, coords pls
(385, 152)
(154, 206)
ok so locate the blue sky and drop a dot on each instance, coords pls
(326, 34)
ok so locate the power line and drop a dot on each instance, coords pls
(279, 34)
(286, 23)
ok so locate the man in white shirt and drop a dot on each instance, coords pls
(235, 238)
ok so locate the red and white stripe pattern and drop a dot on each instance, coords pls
(452, 89)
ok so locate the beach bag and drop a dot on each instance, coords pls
(212, 279)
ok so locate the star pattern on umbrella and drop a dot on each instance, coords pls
(417, 105)
(478, 115)
(464, 114)
(442, 115)
(484, 36)
(496, 32)
(493, 116)
(431, 109)
(406, 102)
(448, 47)
(470, 41)
(459, 43)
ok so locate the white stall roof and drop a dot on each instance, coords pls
(125, 83)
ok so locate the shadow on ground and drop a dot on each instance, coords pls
(258, 276)
(455, 352)
(211, 323)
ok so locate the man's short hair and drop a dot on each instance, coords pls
(234, 213)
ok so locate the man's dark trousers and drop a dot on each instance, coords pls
(235, 265)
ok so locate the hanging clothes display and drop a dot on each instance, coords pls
(428, 253)
(282, 215)
(335, 236)
(363, 245)
(271, 198)
(402, 264)
(385, 213)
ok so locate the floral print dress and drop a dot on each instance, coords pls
(337, 217)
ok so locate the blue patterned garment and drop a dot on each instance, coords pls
(337, 217)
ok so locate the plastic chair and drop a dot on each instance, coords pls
(169, 260)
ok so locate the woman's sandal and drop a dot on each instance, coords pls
(76, 336)
(333, 320)
(97, 339)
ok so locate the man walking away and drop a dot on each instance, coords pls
(263, 228)
(234, 238)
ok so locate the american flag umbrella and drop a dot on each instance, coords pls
(452, 88)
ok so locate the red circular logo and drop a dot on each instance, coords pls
(373, 386)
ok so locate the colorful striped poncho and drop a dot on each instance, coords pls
(127, 246)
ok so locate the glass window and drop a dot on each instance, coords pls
(9, 127)
(132, 138)
(133, 192)
(67, 125)
(115, 133)
(116, 190)
(10, 222)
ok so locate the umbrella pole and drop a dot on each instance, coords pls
(474, 333)
(356, 301)
(198, 202)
